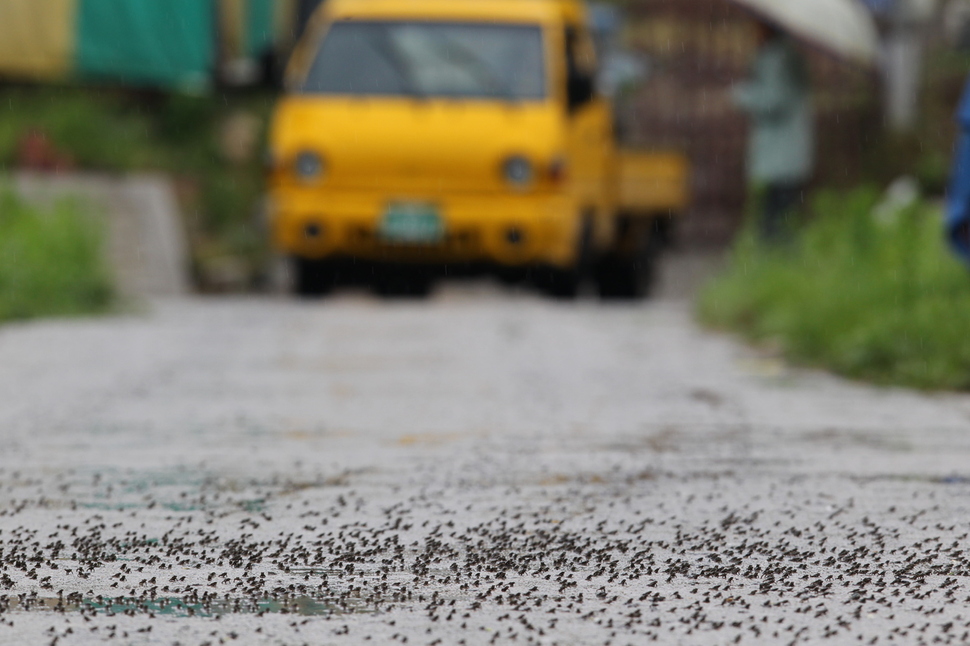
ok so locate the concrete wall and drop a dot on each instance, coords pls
(146, 244)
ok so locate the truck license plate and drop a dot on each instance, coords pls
(409, 222)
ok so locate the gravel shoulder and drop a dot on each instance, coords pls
(482, 468)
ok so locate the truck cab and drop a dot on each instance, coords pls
(420, 134)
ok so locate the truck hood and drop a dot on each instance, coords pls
(416, 146)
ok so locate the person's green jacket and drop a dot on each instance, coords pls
(777, 99)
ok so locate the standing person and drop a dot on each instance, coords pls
(958, 195)
(776, 98)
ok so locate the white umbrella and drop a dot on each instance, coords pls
(842, 27)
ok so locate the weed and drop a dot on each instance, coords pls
(872, 297)
(51, 261)
(91, 127)
(118, 131)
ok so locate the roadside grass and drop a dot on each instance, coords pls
(873, 297)
(82, 125)
(120, 131)
(51, 261)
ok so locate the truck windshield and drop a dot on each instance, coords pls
(429, 59)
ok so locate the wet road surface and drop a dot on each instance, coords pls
(481, 468)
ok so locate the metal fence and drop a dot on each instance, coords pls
(697, 50)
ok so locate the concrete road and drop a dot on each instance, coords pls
(481, 468)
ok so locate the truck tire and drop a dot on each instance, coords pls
(313, 278)
(403, 281)
(565, 283)
(630, 276)
(511, 276)
(561, 284)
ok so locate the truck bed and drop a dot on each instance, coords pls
(653, 183)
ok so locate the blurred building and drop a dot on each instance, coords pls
(689, 52)
(173, 44)
(695, 50)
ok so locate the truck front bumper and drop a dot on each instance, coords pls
(510, 230)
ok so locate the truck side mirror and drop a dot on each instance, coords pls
(580, 89)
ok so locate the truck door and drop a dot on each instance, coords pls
(590, 136)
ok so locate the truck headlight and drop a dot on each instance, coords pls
(518, 171)
(309, 166)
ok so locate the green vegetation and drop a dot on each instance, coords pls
(125, 131)
(875, 297)
(51, 262)
(79, 126)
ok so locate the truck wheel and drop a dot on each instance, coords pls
(565, 283)
(630, 276)
(511, 276)
(312, 278)
(401, 281)
(558, 283)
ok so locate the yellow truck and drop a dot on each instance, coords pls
(418, 137)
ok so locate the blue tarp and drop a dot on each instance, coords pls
(958, 197)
